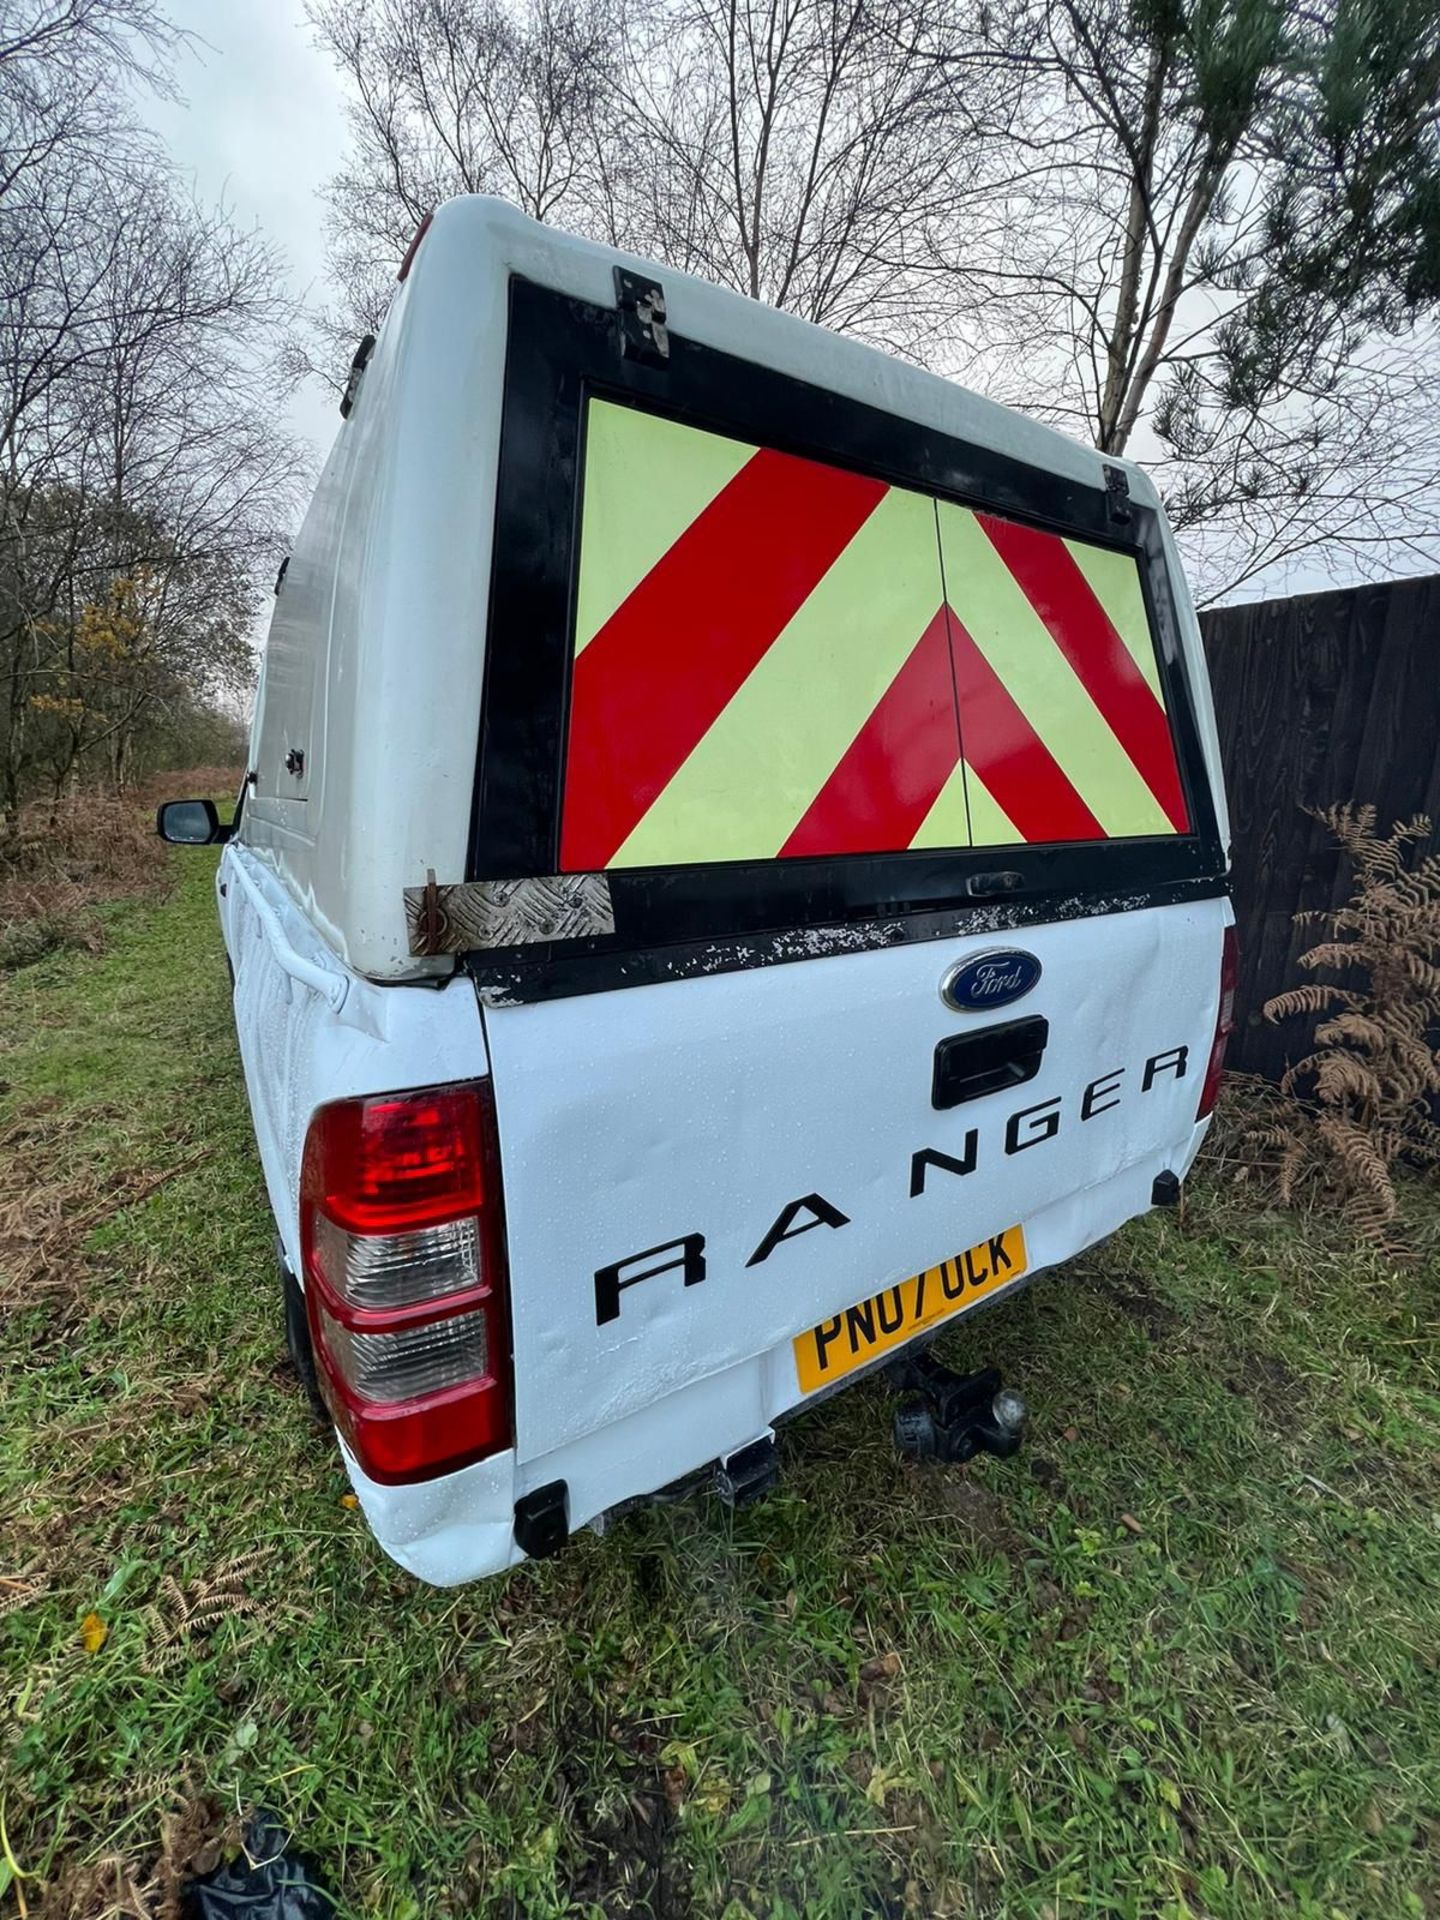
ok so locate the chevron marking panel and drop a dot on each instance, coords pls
(776, 658)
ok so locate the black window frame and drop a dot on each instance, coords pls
(669, 921)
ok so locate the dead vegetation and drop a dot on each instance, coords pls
(1360, 1104)
(187, 783)
(60, 859)
(185, 1615)
(55, 1205)
(195, 1835)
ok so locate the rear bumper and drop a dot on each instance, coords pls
(461, 1527)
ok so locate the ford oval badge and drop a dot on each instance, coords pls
(991, 979)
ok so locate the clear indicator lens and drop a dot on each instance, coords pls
(414, 1361)
(397, 1269)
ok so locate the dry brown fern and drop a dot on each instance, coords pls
(193, 1835)
(1363, 1095)
(180, 1614)
(22, 1588)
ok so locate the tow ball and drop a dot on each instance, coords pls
(953, 1416)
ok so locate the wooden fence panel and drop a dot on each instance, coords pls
(1321, 698)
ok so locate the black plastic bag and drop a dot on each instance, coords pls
(264, 1882)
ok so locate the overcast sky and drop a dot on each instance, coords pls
(259, 127)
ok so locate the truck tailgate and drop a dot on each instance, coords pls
(697, 1171)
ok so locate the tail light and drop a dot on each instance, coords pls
(1224, 1024)
(403, 1241)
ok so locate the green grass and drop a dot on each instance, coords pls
(1177, 1658)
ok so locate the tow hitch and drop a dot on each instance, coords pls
(953, 1416)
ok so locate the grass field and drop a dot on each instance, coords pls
(1177, 1658)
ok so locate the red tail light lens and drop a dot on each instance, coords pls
(403, 1241)
(1224, 1024)
(398, 1161)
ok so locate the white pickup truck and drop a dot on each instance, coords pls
(731, 875)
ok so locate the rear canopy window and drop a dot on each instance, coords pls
(775, 658)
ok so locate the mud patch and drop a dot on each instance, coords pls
(630, 1866)
(618, 1808)
(1049, 1476)
(1274, 1388)
(1157, 1319)
(984, 1515)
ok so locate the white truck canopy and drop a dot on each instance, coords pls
(510, 474)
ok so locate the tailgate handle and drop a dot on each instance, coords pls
(970, 1065)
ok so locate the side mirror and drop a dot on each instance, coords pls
(190, 823)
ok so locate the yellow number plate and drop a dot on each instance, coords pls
(837, 1347)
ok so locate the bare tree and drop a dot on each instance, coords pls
(61, 64)
(1184, 274)
(190, 479)
(1206, 232)
(450, 97)
(797, 150)
(1337, 474)
(142, 484)
(804, 152)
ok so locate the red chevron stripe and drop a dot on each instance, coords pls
(891, 774)
(1048, 576)
(672, 656)
(1010, 757)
